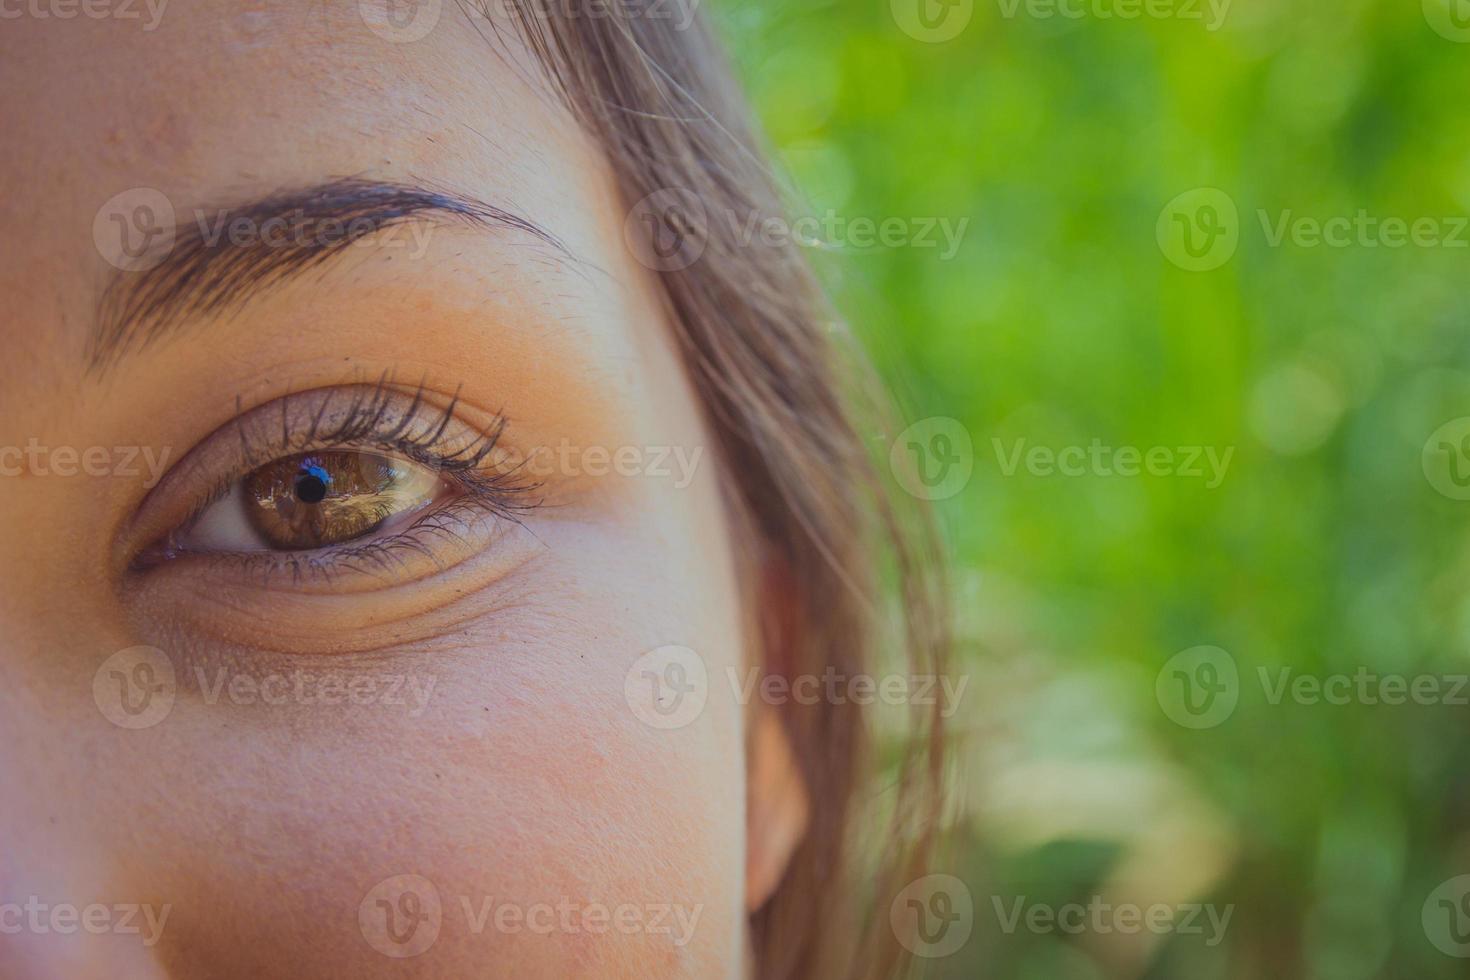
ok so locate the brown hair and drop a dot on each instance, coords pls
(648, 81)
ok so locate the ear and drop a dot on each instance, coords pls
(777, 803)
(777, 807)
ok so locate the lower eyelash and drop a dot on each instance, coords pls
(370, 555)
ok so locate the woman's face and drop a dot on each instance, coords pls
(281, 690)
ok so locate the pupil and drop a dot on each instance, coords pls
(311, 485)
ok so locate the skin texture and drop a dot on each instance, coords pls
(527, 777)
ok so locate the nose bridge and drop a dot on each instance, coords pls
(63, 912)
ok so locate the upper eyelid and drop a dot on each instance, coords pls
(421, 426)
(367, 417)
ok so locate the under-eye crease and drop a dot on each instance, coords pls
(357, 478)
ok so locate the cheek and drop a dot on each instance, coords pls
(546, 824)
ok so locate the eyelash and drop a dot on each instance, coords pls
(371, 423)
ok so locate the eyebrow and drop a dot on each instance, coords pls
(225, 257)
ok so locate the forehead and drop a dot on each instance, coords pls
(210, 102)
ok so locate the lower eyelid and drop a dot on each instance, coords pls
(430, 539)
(255, 604)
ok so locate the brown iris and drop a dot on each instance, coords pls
(324, 498)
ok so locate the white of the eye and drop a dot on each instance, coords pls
(224, 526)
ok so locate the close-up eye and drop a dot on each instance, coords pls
(312, 500)
(323, 485)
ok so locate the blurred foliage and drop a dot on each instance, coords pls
(1061, 320)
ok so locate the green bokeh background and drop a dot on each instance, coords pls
(1061, 320)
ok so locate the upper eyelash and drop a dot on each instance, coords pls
(368, 422)
(365, 418)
